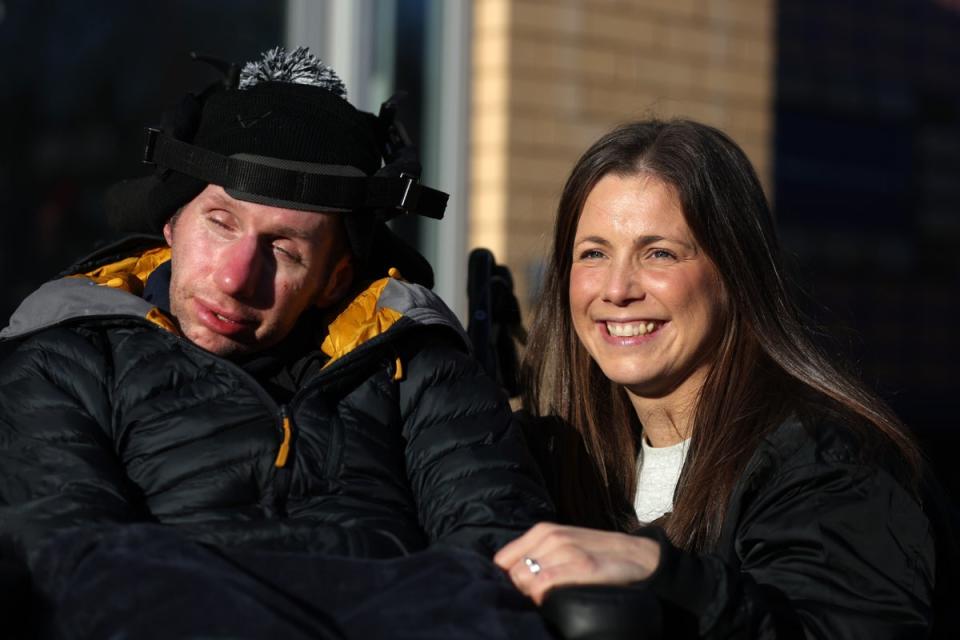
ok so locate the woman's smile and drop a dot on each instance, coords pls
(632, 328)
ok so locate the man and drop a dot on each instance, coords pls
(266, 380)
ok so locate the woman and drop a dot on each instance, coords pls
(788, 495)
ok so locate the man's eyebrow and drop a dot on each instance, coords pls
(293, 232)
(284, 231)
(218, 200)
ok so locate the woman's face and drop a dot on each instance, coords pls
(645, 301)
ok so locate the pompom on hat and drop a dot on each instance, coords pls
(281, 132)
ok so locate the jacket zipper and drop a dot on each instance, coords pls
(286, 424)
(282, 473)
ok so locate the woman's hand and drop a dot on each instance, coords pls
(551, 555)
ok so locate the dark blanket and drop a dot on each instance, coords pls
(145, 581)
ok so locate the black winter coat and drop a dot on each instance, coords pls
(818, 542)
(107, 416)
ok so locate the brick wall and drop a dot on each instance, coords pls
(550, 77)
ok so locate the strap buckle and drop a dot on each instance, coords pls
(411, 193)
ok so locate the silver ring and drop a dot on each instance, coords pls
(532, 564)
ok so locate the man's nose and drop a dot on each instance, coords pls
(624, 283)
(240, 267)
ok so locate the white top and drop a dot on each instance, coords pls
(658, 470)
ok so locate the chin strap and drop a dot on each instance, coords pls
(325, 187)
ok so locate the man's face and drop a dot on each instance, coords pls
(242, 273)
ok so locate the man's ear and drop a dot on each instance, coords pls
(168, 226)
(339, 282)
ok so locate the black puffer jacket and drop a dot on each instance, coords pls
(108, 416)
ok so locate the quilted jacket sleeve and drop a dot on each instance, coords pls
(57, 463)
(474, 480)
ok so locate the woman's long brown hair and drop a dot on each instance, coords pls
(766, 364)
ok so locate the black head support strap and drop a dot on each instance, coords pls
(321, 187)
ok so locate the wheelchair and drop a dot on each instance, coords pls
(495, 328)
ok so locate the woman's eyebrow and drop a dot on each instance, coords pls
(643, 241)
(593, 239)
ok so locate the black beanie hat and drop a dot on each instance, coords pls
(285, 124)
